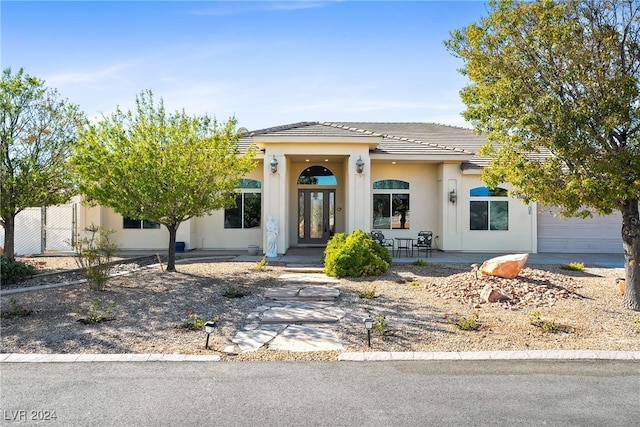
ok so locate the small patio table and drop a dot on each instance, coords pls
(406, 244)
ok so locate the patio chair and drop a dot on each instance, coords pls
(382, 241)
(423, 242)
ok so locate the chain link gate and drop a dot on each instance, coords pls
(45, 230)
(59, 228)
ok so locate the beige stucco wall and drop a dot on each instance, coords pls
(209, 231)
(133, 239)
(125, 239)
(520, 237)
(424, 198)
(449, 222)
(430, 185)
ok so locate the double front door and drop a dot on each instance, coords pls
(316, 215)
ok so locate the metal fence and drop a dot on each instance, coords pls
(45, 230)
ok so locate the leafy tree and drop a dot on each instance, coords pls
(555, 86)
(37, 133)
(167, 168)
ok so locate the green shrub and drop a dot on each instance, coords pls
(262, 263)
(98, 312)
(355, 255)
(464, 323)
(367, 292)
(231, 291)
(15, 310)
(573, 266)
(545, 325)
(380, 324)
(14, 271)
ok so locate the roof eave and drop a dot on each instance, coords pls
(371, 140)
(453, 157)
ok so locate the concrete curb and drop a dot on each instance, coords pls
(492, 355)
(575, 355)
(68, 358)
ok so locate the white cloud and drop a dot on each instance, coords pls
(114, 71)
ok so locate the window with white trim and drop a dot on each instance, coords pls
(488, 209)
(248, 210)
(391, 204)
(133, 224)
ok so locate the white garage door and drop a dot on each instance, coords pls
(599, 234)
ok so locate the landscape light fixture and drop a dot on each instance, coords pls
(368, 324)
(274, 164)
(475, 268)
(208, 329)
(453, 196)
(359, 164)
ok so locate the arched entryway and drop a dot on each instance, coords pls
(316, 205)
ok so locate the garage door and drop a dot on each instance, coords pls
(600, 234)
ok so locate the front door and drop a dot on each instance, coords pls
(316, 215)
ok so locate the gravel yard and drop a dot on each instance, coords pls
(151, 308)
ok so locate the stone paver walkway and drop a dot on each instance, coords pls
(298, 316)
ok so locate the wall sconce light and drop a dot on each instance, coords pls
(359, 164)
(453, 196)
(368, 324)
(208, 329)
(274, 164)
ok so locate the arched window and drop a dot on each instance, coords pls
(391, 184)
(317, 175)
(249, 183)
(248, 210)
(391, 204)
(488, 209)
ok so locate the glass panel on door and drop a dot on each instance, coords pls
(316, 210)
(332, 213)
(301, 216)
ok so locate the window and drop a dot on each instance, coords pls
(317, 175)
(129, 223)
(248, 210)
(487, 211)
(391, 204)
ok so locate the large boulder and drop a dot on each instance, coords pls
(507, 266)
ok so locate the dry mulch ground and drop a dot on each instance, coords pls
(549, 309)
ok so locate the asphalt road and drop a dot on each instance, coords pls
(462, 393)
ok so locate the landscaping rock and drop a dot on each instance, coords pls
(506, 266)
(492, 294)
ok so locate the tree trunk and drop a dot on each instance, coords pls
(9, 236)
(171, 260)
(631, 246)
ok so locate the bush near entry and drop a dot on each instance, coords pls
(355, 255)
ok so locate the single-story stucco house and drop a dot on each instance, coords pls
(316, 179)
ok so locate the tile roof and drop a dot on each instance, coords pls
(397, 138)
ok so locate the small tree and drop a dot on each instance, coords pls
(94, 254)
(37, 132)
(556, 88)
(167, 168)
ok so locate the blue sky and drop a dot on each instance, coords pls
(268, 63)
